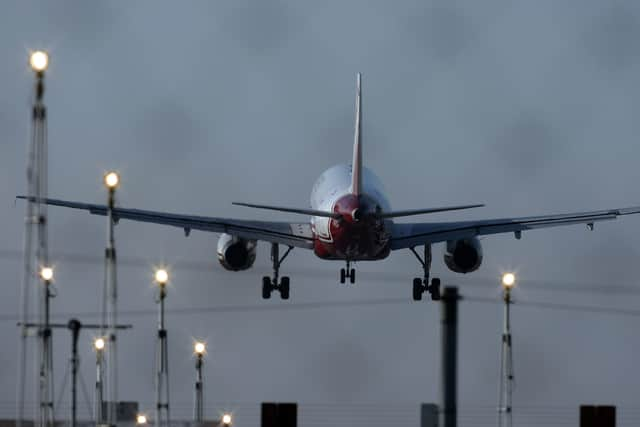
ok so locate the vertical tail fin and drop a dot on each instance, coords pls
(356, 166)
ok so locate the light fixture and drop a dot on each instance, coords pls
(98, 344)
(226, 419)
(46, 273)
(111, 180)
(161, 276)
(39, 61)
(199, 348)
(141, 419)
(508, 280)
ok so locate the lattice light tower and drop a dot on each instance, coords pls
(505, 409)
(36, 257)
(161, 278)
(98, 346)
(110, 302)
(199, 349)
(46, 390)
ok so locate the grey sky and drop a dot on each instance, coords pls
(530, 107)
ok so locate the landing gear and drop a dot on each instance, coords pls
(270, 284)
(348, 273)
(422, 285)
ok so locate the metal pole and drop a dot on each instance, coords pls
(199, 400)
(36, 218)
(449, 369)
(162, 376)
(112, 313)
(42, 253)
(505, 412)
(29, 269)
(74, 326)
(99, 397)
(46, 362)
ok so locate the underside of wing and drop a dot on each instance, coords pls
(285, 233)
(415, 234)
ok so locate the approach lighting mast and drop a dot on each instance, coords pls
(505, 409)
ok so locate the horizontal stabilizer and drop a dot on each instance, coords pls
(311, 212)
(426, 211)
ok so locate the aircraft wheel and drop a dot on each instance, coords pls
(434, 290)
(352, 276)
(343, 275)
(284, 288)
(418, 289)
(266, 287)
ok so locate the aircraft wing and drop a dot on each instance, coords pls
(285, 233)
(415, 234)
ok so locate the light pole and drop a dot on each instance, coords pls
(98, 345)
(46, 365)
(161, 278)
(110, 311)
(36, 237)
(200, 350)
(505, 410)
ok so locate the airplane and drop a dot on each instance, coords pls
(351, 220)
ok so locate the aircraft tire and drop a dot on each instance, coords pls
(284, 288)
(434, 290)
(266, 287)
(417, 289)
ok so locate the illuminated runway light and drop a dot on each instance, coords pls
(46, 273)
(98, 344)
(226, 419)
(199, 348)
(508, 280)
(111, 180)
(161, 276)
(39, 61)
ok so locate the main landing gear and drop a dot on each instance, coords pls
(349, 273)
(270, 284)
(420, 286)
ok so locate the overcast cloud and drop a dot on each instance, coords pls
(529, 107)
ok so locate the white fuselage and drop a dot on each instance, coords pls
(347, 239)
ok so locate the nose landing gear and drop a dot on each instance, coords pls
(270, 284)
(349, 273)
(422, 285)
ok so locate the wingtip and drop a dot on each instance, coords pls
(629, 211)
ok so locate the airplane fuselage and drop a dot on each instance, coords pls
(357, 235)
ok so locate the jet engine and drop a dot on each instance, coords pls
(463, 256)
(236, 254)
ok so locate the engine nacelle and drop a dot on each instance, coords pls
(463, 256)
(236, 254)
